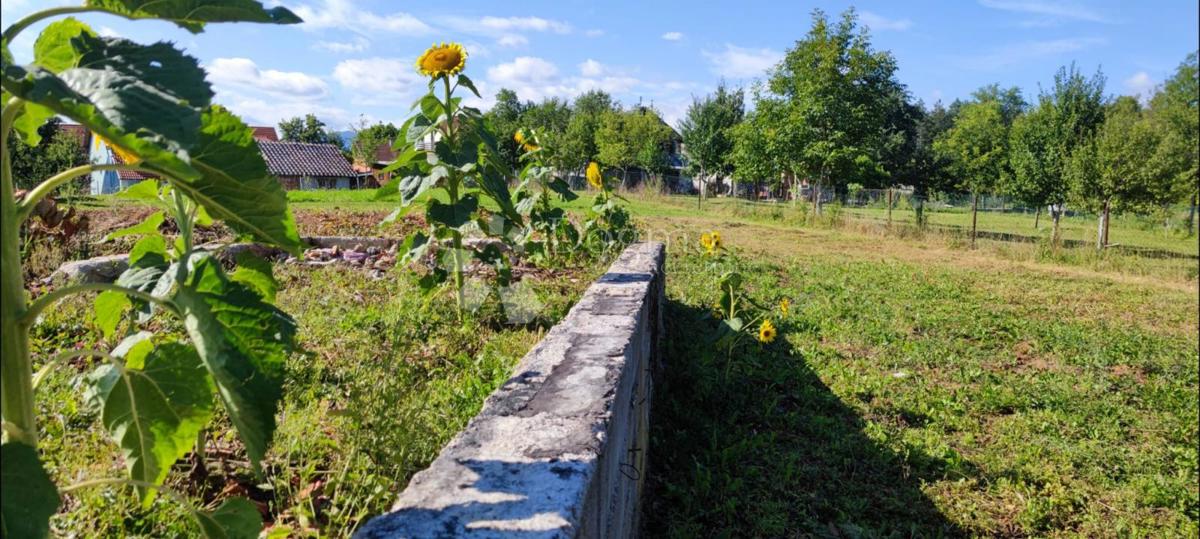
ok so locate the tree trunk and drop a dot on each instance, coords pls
(1056, 211)
(1037, 217)
(1102, 228)
(1191, 220)
(700, 194)
(974, 216)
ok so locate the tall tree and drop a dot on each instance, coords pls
(1033, 146)
(505, 118)
(634, 138)
(1010, 100)
(752, 157)
(57, 151)
(1116, 170)
(838, 89)
(1174, 108)
(707, 132)
(931, 169)
(578, 145)
(977, 146)
(309, 129)
(613, 147)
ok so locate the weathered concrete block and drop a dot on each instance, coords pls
(560, 449)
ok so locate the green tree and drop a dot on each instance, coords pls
(1012, 105)
(58, 150)
(578, 145)
(1117, 169)
(1174, 109)
(931, 171)
(308, 129)
(505, 118)
(707, 133)
(633, 138)
(977, 146)
(839, 91)
(751, 155)
(1033, 146)
(369, 137)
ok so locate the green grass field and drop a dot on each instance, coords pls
(921, 388)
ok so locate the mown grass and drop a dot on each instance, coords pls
(924, 389)
(382, 382)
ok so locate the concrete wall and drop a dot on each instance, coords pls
(560, 449)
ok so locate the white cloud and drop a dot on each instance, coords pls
(106, 31)
(591, 68)
(1021, 52)
(244, 72)
(595, 32)
(343, 14)
(1140, 85)
(260, 112)
(536, 79)
(879, 23)
(1045, 8)
(512, 40)
(358, 44)
(673, 36)
(531, 24)
(742, 63)
(379, 78)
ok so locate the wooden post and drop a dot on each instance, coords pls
(974, 216)
(889, 207)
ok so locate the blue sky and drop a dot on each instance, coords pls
(353, 59)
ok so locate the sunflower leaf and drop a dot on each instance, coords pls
(193, 14)
(236, 518)
(31, 496)
(243, 342)
(153, 405)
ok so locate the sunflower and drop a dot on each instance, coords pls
(519, 136)
(716, 240)
(766, 332)
(443, 59)
(784, 305)
(593, 175)
(706, 241)
(125, 156)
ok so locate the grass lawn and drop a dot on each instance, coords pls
(380, 384)
(920, 388)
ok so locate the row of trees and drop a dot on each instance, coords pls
(594, 127)
(833, 112)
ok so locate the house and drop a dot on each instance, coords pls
(371, 169)
(111, 181)
(302, 165)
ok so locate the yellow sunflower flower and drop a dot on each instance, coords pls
(766, 332)
(593, 175)
(784, 305)
(706, 241)
(716, 240)
(127, 157)
(443, 59)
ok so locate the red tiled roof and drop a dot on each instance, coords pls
(126, 174)
(304, 159)
(265, 133)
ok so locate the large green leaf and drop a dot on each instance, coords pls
(255, 272)
(153, 406)
(236, 518)
(235, 185)
(53, 49)
(452, 215)
(192, 14)
(30, 498)
(244, 342)
(149, 225)
(159, 65)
